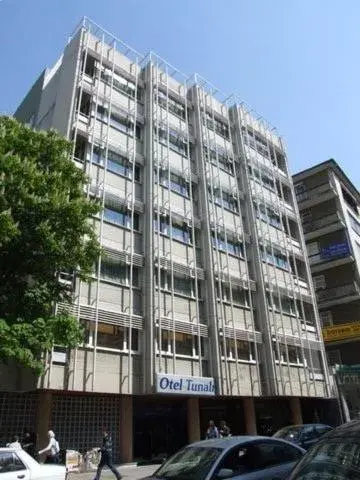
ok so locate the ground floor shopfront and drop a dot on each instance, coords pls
(146, 426)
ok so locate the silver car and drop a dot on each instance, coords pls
(240, 458)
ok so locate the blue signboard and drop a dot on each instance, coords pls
(335, 250)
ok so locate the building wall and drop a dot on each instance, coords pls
(180, 174)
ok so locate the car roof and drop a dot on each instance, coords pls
(350, 429)
(229, 442)
(308, 425)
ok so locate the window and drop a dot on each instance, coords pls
(240, 349)
(177, 142)
(182, 285)
(232, 247)
(121, 218)
(116, 163)
(113, 271)
(319, 282)
(334, 357)
(268, 215)
(219, 155)
(274, 258)
(119, 84)
(289, 354)
(337, 458)
(84, 103)
(176, 183)
(185, 343)
(89, 65)
(175, 107)
(10, 462)
(239, 295)
(178, 232)
(349, 200)
(222, 198)
(118, 120)
(355, 224)
(110, 336)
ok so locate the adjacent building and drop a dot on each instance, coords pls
(202, 304)
(329, 207)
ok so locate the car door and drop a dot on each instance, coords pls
(12, 468)
(259, 460)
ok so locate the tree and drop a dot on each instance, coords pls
(44, 230)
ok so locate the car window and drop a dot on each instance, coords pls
(191, 463)
(270, 454)
(336, 459)
(289, 433)
(309, 432)
(322, 429)
(10, 462)
(248, 458)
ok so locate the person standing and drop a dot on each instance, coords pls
(29, 444)
(212, 431)
(224, 430)
(52, 448)
(106, 456)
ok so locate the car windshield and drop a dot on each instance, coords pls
(333, 460)
(192, 463)
(288, 433)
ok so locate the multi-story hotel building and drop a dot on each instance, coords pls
(329, 206)
(202, 304)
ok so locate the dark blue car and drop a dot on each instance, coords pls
(303, 435)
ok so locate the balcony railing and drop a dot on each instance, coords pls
(348, 290)
(315, 192)
(326, 221)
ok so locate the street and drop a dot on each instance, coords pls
(127, 472)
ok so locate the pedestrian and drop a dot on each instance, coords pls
(224, 430)
(212, 431)
(14, 443)
(106, 456)
(29, 444)
(52, 448)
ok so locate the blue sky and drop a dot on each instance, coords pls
(296, 62)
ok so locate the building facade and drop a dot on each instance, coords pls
(202, 304)
(329, 207)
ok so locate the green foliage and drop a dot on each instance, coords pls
(44, 230)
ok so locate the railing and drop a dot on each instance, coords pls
(314, 192)
(313, 225)
(338, 292)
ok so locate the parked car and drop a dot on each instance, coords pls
(17, 464)
(336, 456)
(303, 435)
(242, 458)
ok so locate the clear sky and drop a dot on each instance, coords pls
(296, 62)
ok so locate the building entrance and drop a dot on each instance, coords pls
(159, 427)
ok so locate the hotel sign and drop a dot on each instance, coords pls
(348, 375)
(341, 332)
(184, 385)
(335, 250)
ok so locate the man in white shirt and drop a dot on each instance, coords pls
(53, 449)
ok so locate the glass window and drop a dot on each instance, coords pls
(185, 343)
(191, 463)
(235, 348)
(10, 462)
(182, 285)
(181, 233)
(111, 336)
(118, 272)
(121, 218)
(174, 107)
(233, 248)
(176, 141)
(176, 183)
(119, 84)
(334, 459)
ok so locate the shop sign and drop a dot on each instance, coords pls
(341, 332)
(348, 375)
(335, 250)
(184, 385)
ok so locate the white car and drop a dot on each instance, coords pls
(17, 464)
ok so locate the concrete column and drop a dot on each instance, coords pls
(126, 429)
(250, 416)
(43, 418)
(296, 414)
(193, 419)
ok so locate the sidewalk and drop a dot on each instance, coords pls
(130, 472)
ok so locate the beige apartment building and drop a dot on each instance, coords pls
(202, 305)
(329, 207)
